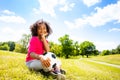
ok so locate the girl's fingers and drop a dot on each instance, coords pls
(48, 59)
(46, 34)
(46, 62)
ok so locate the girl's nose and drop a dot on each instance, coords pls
(43, 31)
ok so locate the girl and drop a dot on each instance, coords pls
(38, 45)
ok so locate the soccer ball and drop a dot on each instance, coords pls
(53, 61)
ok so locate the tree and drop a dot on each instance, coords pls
(76, 50)
(87, 48)
(66, 44)
(11, 45)
(24, 42)
(4, 47)
(96, 52)
(118, 49)
(55, 48)
(113, 51)
(18, 48)
(105, 52)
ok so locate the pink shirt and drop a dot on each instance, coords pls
(35, 45)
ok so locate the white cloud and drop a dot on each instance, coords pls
(77, 23)
(8, 12)
(107, 14)
(7, 30)
(105, 45)
(67, 7)
(101, 17)
(114, 29)
(91, 2)
(49, 6)
(12, 19)
(36, 11)
(10, 34)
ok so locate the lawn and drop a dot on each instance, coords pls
(12, 67)
(113, 59)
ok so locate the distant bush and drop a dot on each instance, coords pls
(4, 47)
(19, 48)
(105, 52)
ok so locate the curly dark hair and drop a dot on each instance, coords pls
(35, 26)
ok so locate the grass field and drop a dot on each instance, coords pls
(12, 67)
(113, 59)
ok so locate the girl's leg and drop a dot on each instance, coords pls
(34, 65)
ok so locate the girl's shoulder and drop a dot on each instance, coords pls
(34, 38)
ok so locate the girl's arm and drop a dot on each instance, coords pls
(34, 55)
(45, 62)
(45, 43)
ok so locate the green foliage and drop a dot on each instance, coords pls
(66, 48)
(76, 50)
(96, 52)
(55, 48)
(113, 51)
(4, 47)
(118, 49)
(23, 43)
(105, 52)
(66, 44)
(19, 48)
(11, 45)
(87, 48)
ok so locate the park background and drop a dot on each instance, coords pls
(81, 28)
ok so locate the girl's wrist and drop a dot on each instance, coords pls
(40, 57)
(43, 37)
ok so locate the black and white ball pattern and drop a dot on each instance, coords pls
(53, 61)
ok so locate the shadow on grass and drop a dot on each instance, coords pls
(41, 72)
(47, 75)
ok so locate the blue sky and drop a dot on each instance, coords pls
(97, 21)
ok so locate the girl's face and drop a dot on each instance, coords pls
(42, 29)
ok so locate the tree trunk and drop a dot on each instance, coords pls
(87, 56)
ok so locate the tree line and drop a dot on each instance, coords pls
(66, 48)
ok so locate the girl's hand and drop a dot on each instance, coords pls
(44, 35)
(45, 62)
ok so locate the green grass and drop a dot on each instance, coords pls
(113, 59)
(12, 67)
